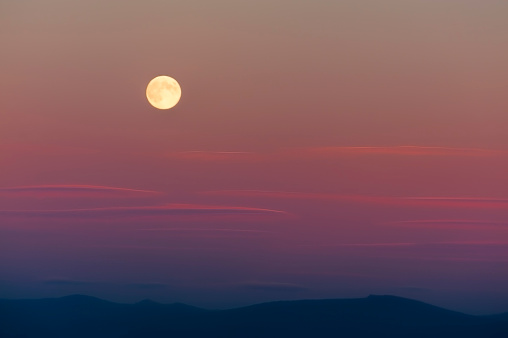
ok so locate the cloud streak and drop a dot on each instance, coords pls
(450, 223)
(403, 151)
(212, 156)
(445, 202)
(425, 244)
(46, 150)
(74, 191)
(246, 231)
(458, 202)
(332, 152)
(171, 210)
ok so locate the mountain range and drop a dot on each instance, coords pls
(80, 316)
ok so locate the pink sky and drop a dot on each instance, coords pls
(320, 149)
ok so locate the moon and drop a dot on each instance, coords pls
(163, 92)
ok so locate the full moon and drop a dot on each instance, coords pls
(163, 92)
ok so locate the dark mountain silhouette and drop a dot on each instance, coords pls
(374, 316)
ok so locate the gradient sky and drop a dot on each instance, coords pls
(321, 149)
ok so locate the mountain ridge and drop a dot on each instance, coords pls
(81, 316)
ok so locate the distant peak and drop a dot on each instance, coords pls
(82, 299)
(384, 296)
(182, 305)
(392, 299)
(148, 302)
(78, 297)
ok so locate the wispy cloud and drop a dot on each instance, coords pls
(297, 195)
(215, 155)
(449, 223)
(170, 210)
(46, 150)
(333, 152)
(378, 245)
(364, 245)
(415, 244)
(74, 191)
(206, 230)
(472, 243)
(424, 201)
(409, 150)
(458, 202)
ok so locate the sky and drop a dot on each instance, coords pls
(321, 149)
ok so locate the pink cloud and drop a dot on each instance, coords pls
(51, 150)
(378, 245)
(474, 243)
(171, 210)
(366, 245)
(445, 202)
(450, 224)
(417, 244)
(331, 152)
(210, 156)
(458, 202)
(74, 191)
(205, 230)
(299, 195)
(403, 150)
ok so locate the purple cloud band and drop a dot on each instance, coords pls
(167, 210)
(74, 191)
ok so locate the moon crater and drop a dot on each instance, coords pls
(163, 92)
